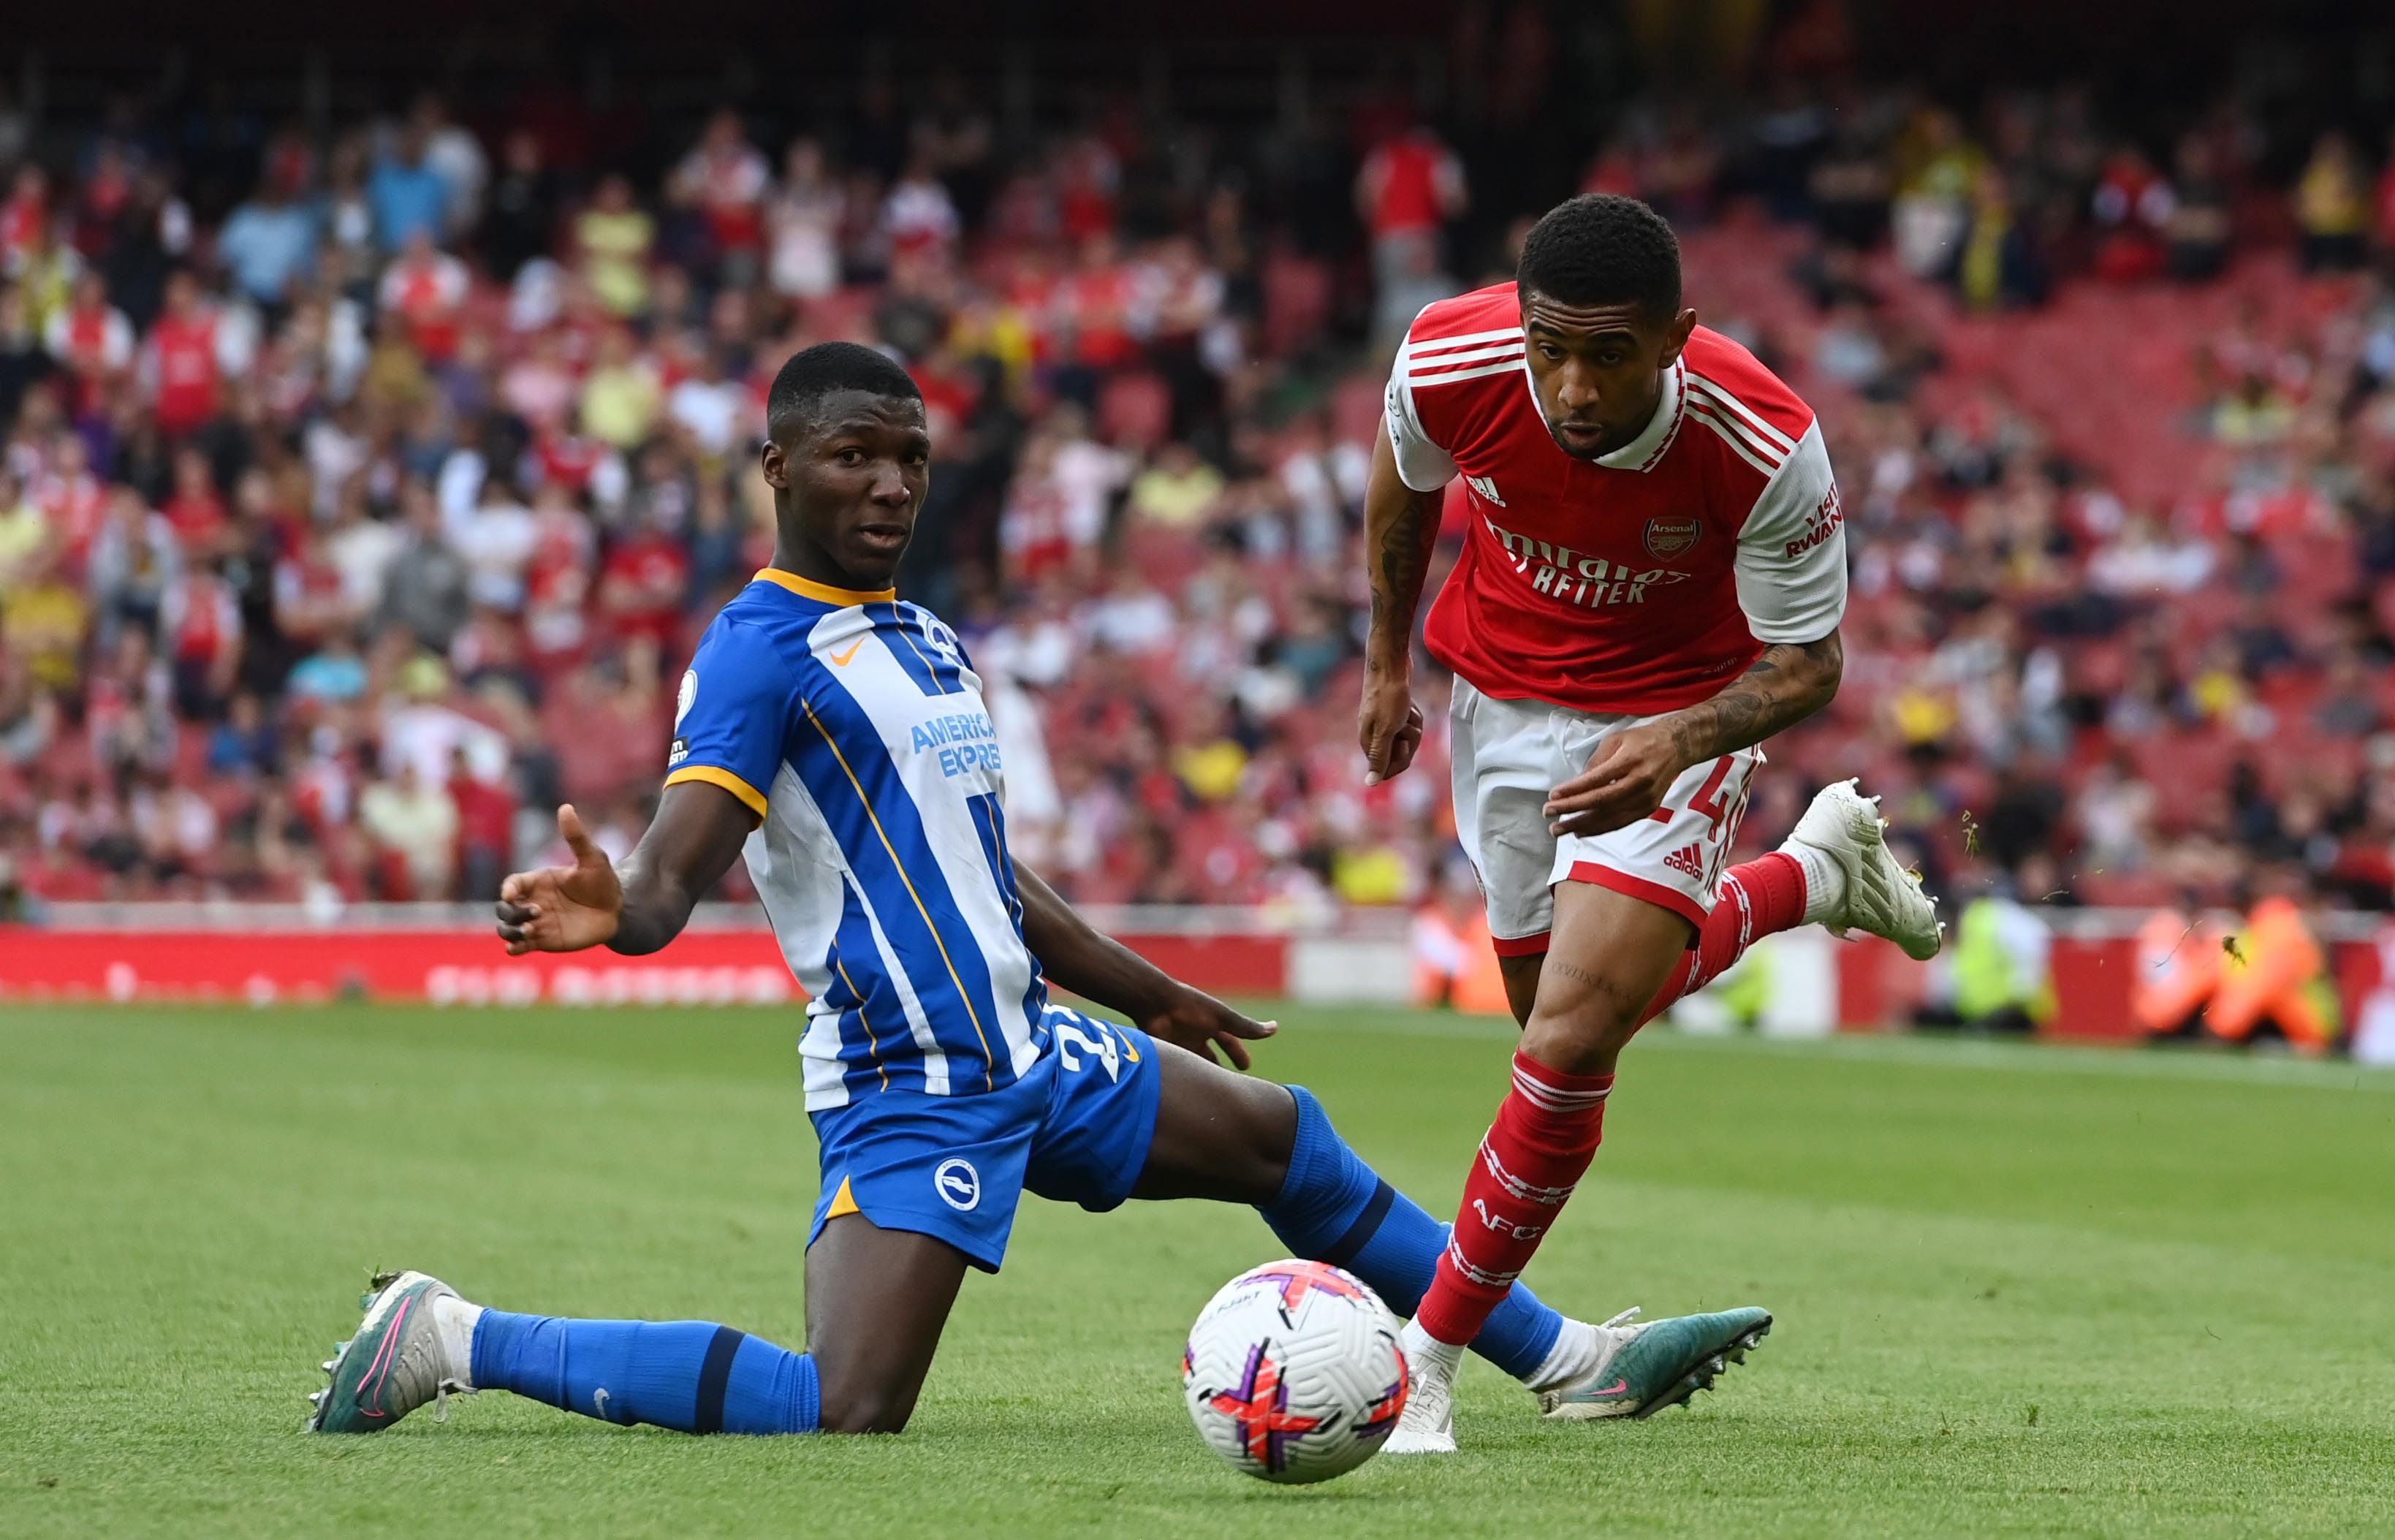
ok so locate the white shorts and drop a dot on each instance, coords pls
(1510, 754)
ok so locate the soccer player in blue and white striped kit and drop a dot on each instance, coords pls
(837, 736)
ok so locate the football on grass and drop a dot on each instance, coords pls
(1294, 1372)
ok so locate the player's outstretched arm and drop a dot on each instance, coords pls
(689, 846)
(1400, 529)
(1631, 773)
(1075, 957)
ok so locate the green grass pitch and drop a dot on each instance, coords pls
(2019, 1289)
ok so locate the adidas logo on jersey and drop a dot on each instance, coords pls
(1487, 487)
(1688, 861)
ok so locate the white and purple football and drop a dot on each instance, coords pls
(1293, 1372)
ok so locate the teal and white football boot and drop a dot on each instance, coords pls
(1654, 1364)
(401, 1357)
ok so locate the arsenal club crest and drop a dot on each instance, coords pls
(1668, 538)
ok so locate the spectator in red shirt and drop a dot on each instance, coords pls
(426, 289)
(195, 512)
(1088, 177)
(607, 723)
(92, 338)
(182, 361)
(1094, 303)
(486, 815)
(2133, 204)
(310, 600)
(1035, 534)
(201, 620)
(1409, 187)
(917, 217)
(725, 178)
(643, 584)
(73, 500)
(25, 218)
(558, 579)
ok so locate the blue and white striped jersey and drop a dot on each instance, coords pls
(854, 726)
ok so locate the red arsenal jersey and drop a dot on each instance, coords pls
(185, 349)
(1639, 582)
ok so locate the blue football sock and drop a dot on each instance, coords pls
(1333, 1208)
(691, 1375)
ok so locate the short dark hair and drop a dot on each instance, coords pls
(1602, 249)
(828, 368)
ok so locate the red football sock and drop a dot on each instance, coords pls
(1546, 1133)
(1548, 1128)
(1759, 897)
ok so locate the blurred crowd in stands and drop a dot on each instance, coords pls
(362, 494)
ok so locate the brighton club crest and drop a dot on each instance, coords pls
(1667, 538)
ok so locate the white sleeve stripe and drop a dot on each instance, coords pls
(1504, 365)
(1437, 344)
(1474, 355)
(1730, 427)
(1745, 447)
(1721, 397)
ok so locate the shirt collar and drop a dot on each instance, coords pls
(1646, 451)
(807, 588)
(1643, 452)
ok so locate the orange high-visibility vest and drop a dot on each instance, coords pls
(2178, 969)
(2281, 978)
(1481, 989)
(1457, 965)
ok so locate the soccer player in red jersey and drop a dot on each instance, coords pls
(1650, 586)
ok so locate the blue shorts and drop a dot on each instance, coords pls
(1075, 1129)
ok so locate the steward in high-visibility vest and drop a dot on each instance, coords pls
(2001, 975)
(1746, 988)
(1454, 963)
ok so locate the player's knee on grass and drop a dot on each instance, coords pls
(866, 1382)
(876, 1302)
(868, 1407)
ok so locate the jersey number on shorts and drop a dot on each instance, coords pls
(1070, 1037)
(1708, 801)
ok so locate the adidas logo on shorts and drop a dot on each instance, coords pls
(1688, 861)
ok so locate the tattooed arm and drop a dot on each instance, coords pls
(1400, 529)
(1633, 772)
(1788, 683)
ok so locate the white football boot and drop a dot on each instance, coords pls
(1843, 830)
(1427, 1425)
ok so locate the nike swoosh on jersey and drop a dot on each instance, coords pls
(839, 659)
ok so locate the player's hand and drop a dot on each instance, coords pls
(1388, 724)
(562, 909)
(1627, 778)
(1196, 1020)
